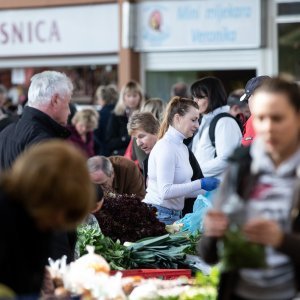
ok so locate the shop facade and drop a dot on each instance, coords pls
(158, 43)
(74, 39)
(185, 40)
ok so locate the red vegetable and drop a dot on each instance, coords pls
(126, 218)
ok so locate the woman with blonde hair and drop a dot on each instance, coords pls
(156, 106)
(83, 124)
(48, 189)
(169, 169)
(131, 99)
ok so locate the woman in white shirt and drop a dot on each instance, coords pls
(210, 95)
(169, 170)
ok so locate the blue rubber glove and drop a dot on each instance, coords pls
(209, 183)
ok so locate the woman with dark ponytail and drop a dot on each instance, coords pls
(169, 169)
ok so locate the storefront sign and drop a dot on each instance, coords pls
(59, 31)
(199, 24)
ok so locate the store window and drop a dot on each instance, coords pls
(288, 28)
(159, 84)
(289, 49)
(85, 79)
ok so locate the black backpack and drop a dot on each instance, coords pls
(213, 124)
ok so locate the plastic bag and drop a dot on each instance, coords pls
(193, 222)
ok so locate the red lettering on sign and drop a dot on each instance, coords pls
(54, 32)
(38, 31)
(17, 33)
(29, 32)
(4, 34)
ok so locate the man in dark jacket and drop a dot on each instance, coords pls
(44, 118)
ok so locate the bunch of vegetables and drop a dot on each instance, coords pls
(167, 251)
(126, 218)
(237, 252)
(116, 254)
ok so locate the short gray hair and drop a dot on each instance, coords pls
(97, 163)
(46, 84)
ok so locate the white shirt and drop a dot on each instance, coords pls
(170, 172)
(228, 136)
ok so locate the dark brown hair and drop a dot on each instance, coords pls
(213, 89)
(282, 86)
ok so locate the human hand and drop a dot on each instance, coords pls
(265, 232)
(215, 223)
(209, 183)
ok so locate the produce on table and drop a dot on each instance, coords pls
(85, 279)
(126, 218)
(116, 254)
(237, 252)
(166, 252)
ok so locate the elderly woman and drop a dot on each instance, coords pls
(83, 124)
(48, 189)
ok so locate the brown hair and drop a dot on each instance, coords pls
(143, 121)
(177, 105)
(155, 106)
(49, 177)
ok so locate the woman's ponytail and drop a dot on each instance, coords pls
(177, 105)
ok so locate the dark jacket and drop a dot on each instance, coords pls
(197, 174)
(207, 247)
(100, 133)
(33, 127)
(88, 146)
(24, 248)
(117, 137)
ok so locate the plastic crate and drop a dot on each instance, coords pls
(156, 273)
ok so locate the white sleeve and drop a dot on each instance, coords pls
(165, 170)
(228, 136)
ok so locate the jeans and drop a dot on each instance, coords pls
(166, 215)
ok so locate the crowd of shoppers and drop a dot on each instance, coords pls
(183, 150)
